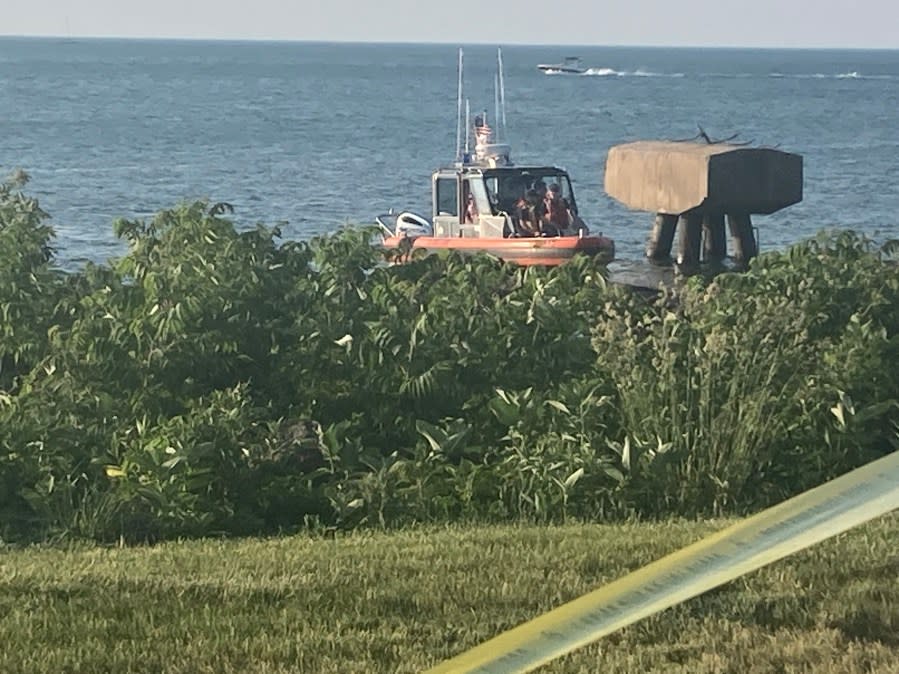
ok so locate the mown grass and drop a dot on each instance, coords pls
(402, 601)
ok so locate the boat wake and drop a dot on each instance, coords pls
(611, 72)
(850, 75)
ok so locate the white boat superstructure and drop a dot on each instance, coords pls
(571, 65)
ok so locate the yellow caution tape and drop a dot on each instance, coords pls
(802, 521)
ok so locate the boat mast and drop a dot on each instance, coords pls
(459, 113)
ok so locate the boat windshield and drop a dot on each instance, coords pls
(506, 188)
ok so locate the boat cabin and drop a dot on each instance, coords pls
(475, 201)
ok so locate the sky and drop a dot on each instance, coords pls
(723, 23)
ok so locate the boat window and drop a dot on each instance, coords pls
(564, 188)
(509, 189)
(568, 193)
(479, 192)
(506, 188)
(541, 183)
(447, 197)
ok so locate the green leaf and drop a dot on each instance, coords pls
(572, 479)
(559, 406)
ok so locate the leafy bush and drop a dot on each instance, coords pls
(216, 381)
(29, 286)
(730, 391)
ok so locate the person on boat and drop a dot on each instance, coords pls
(471, 210)
(537, 196)
(521, 218)
(531, 214)
(558, 213)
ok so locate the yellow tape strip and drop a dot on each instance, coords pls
(802, 521)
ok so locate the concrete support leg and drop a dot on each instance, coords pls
(689, 242)
(742, 237)
(714, 240)
(661, 238)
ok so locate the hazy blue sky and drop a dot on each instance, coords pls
(774, 23)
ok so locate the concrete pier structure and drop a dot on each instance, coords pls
(694, 186)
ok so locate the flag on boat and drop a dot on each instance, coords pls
(481, 129)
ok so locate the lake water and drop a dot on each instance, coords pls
(315, 135)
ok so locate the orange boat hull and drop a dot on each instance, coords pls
(548, 251)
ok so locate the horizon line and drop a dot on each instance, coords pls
(263, 40)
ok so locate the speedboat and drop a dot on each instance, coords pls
(483, 203)
(571, 65)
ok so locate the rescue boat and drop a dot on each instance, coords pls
(483, 203)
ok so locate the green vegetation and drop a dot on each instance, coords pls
(403, 601)
(216, 382)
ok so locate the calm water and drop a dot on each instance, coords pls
(316, 135)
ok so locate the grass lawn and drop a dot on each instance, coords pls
(402, 601)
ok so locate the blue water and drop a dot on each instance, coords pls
(317, 135)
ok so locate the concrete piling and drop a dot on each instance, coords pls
(661, 238)
(742, 237)
(714, 240)
(689, 241)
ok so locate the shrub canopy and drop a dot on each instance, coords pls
(221, 381)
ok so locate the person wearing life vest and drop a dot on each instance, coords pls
(558, 215)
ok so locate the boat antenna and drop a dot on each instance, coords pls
(467, 114)
(459, 112)
(496, 102)
(502, 89)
